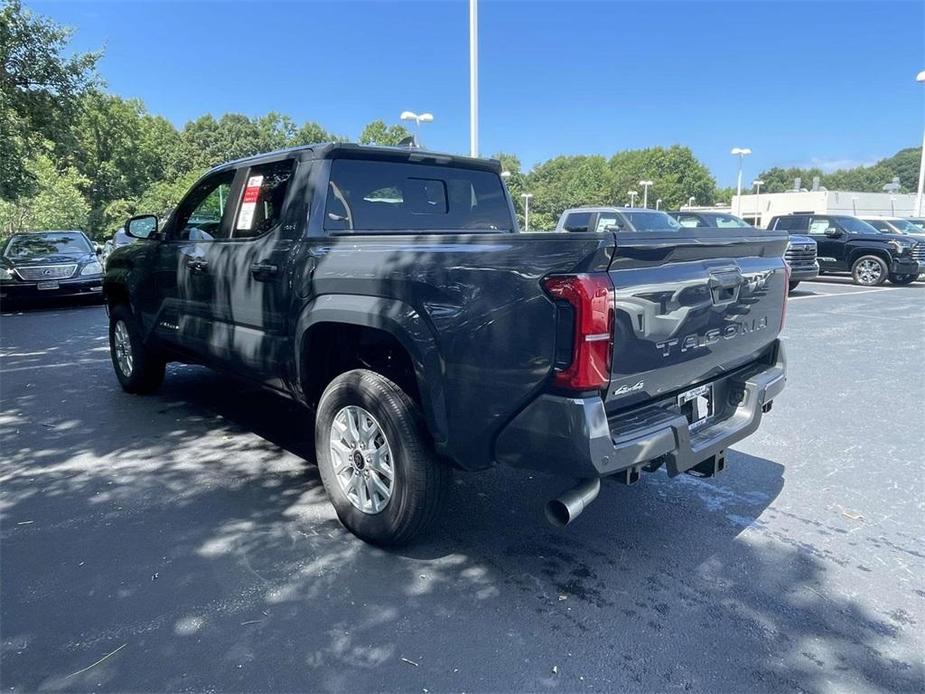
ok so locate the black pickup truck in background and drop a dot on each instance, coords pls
(848, 244)
(390, 291)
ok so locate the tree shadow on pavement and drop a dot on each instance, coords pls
(188, 527)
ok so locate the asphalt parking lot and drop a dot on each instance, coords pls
(182, 542)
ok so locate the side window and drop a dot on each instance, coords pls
(879, 225)
(577, 221)
(689, 220)
(606, 222)
(818, 226)
(199, 217)
(262, 199)
(792, 224)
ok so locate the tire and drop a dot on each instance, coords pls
(138, 367)
(869, 271)
(350, 470)
(794, 285)
(902, 280)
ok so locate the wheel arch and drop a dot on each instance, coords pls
(881, 253)
(351, 319)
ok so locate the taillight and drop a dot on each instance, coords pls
(590, 298)
(783, 310)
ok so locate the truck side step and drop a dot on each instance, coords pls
(710, 467)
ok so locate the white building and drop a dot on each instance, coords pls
(758, 209)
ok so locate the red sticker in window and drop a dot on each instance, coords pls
(249, 202)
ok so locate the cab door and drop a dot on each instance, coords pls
(202, 218)
(830, 249)
(245, 276)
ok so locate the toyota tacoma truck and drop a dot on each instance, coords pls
(391, 292)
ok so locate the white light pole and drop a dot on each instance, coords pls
(645, 192)
(741, 153)
(632, 194)
(658, 203)
(854, 205)
(526, 197)
(418, 119)
(473, 78)
(758, 183)
(919, 204)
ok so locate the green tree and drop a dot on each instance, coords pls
(119, 149)
(56, 201)
(161, 197)
(675, 172)
(871, 179)
(516, 181)
(39, 89)
(567, 181)
(378, 133)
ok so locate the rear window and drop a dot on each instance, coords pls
(689, 220)
(396, 196)
(652, 221)
(728, 221)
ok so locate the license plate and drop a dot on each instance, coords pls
(697, 405)
(47, 285)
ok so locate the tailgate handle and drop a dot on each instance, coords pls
(724, 287)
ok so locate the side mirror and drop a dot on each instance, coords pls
(143, 226)
(832, 233)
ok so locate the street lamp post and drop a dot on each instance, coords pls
(526, 197)
(645, 192)
(418, 119)
(758, 183)
(854, 205)
(658, 203)
(473, 78)
(919, 204)
(632, 194)
(741, 153)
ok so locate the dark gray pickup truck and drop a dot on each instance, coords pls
(390, 291)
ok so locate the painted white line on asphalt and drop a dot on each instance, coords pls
(817, 296)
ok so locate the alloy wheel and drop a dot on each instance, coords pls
(362, 459)
(123, 348)
(869, 272)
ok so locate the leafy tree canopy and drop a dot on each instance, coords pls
(39, 87)
(378, 133)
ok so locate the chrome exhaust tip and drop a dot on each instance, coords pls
(568, 506)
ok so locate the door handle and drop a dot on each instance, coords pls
(197, 265)
(263, 271)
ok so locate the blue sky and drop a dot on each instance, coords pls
(800, 83)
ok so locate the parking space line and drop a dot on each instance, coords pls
(816, 296)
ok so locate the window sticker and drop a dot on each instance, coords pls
(249, 202)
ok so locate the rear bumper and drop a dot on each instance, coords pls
(83, 286)
(573, 436)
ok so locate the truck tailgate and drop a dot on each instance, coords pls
(690, 306)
